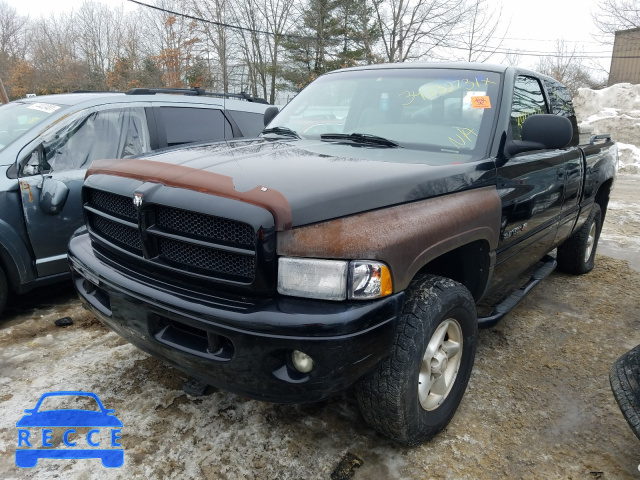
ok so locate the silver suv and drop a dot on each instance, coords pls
(47, 143)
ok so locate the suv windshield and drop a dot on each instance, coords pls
(16, 118)
(446, 110)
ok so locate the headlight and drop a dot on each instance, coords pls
(333, 279)
(307, 277)
(369, 280)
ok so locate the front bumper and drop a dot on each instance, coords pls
(237, 344)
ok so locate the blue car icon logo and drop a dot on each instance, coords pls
(42, 430)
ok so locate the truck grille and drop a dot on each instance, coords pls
(206, 244)
(123, 235)
(206, 226)
(114, 204)
(184, 253)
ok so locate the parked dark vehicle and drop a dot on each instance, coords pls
(47, 143)
(350, 245)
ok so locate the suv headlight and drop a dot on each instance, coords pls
(333, 279)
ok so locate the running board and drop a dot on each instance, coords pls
(509, 303)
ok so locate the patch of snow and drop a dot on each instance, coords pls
(614, 110)
(629, 156)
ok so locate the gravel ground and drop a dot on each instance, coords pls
(538, 404)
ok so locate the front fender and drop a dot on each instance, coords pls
(405, 237)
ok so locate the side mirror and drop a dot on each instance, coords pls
(269, 114)
(53, 196)
(34, 164)
(541, 132)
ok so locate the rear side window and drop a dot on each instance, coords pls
(251, 124)
(528, 100)
(560, 98)
(184, 125)
(561, 104)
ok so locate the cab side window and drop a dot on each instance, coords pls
(528, 100)
(250, 123)
(185, 125)
(561, 104)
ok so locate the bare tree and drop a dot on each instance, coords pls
(613, 15)
(566, 66)
(55, 58)
(513, 59)
(216, 33)
(279, 18)
(101, 36)
(411, 29)
(13, 28)
(13, 35)
(174, 38)
(479, 36)
(253, 46)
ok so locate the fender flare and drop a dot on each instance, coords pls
(15, 257)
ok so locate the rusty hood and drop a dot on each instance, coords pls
(303, 181)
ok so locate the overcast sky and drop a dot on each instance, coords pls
(534, 27)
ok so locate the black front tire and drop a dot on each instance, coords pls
(414, 393)
(624, 377)
(577, 253)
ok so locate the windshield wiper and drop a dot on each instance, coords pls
(361, 138)
(284, 131)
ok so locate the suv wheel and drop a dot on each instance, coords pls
(414, 393)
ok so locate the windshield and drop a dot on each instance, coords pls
(17, 118)
(446, 110)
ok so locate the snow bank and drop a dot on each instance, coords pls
(614, 110)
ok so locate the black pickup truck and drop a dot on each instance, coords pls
(350, 245)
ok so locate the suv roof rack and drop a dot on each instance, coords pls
(95, 91)
(195, 91)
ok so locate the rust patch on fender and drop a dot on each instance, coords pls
(406, 237)
(199, 180)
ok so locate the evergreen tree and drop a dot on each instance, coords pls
(333, 34)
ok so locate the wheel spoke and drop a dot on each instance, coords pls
(451, 348)
(424, 386)
(440, 385)
(436, 340)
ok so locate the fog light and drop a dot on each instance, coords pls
(302, 361)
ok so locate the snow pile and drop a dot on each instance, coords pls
(614, 110)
